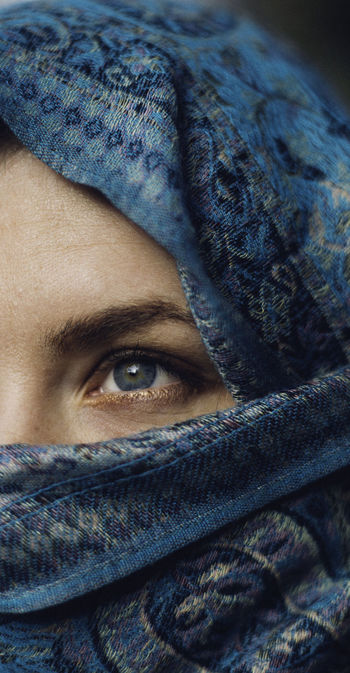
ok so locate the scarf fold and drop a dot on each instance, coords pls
(219, 544)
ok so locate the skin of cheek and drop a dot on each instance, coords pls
(125, 418)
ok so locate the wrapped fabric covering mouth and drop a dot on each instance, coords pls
(220, 544)
(112, 508)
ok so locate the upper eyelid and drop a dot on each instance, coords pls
(116, 354)
(125, 355)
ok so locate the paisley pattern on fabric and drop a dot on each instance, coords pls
(220, 544)
(266, 594)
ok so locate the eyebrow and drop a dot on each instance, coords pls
(88, 332)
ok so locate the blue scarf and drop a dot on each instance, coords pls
(220, 544)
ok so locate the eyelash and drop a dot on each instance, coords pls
(114, 358)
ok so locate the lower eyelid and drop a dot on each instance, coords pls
(172, 393)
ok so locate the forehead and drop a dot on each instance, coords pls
(63, 241)
(40, 207)
(36, 200)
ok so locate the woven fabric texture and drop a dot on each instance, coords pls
(220, 544)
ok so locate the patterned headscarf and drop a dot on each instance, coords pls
(220, 544)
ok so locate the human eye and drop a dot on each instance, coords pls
(134, 374)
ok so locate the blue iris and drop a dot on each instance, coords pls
(134, 375)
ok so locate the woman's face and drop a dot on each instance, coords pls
(96, 339)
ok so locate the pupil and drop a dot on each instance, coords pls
(134, 375)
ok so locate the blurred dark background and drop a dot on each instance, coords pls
(320, 28)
